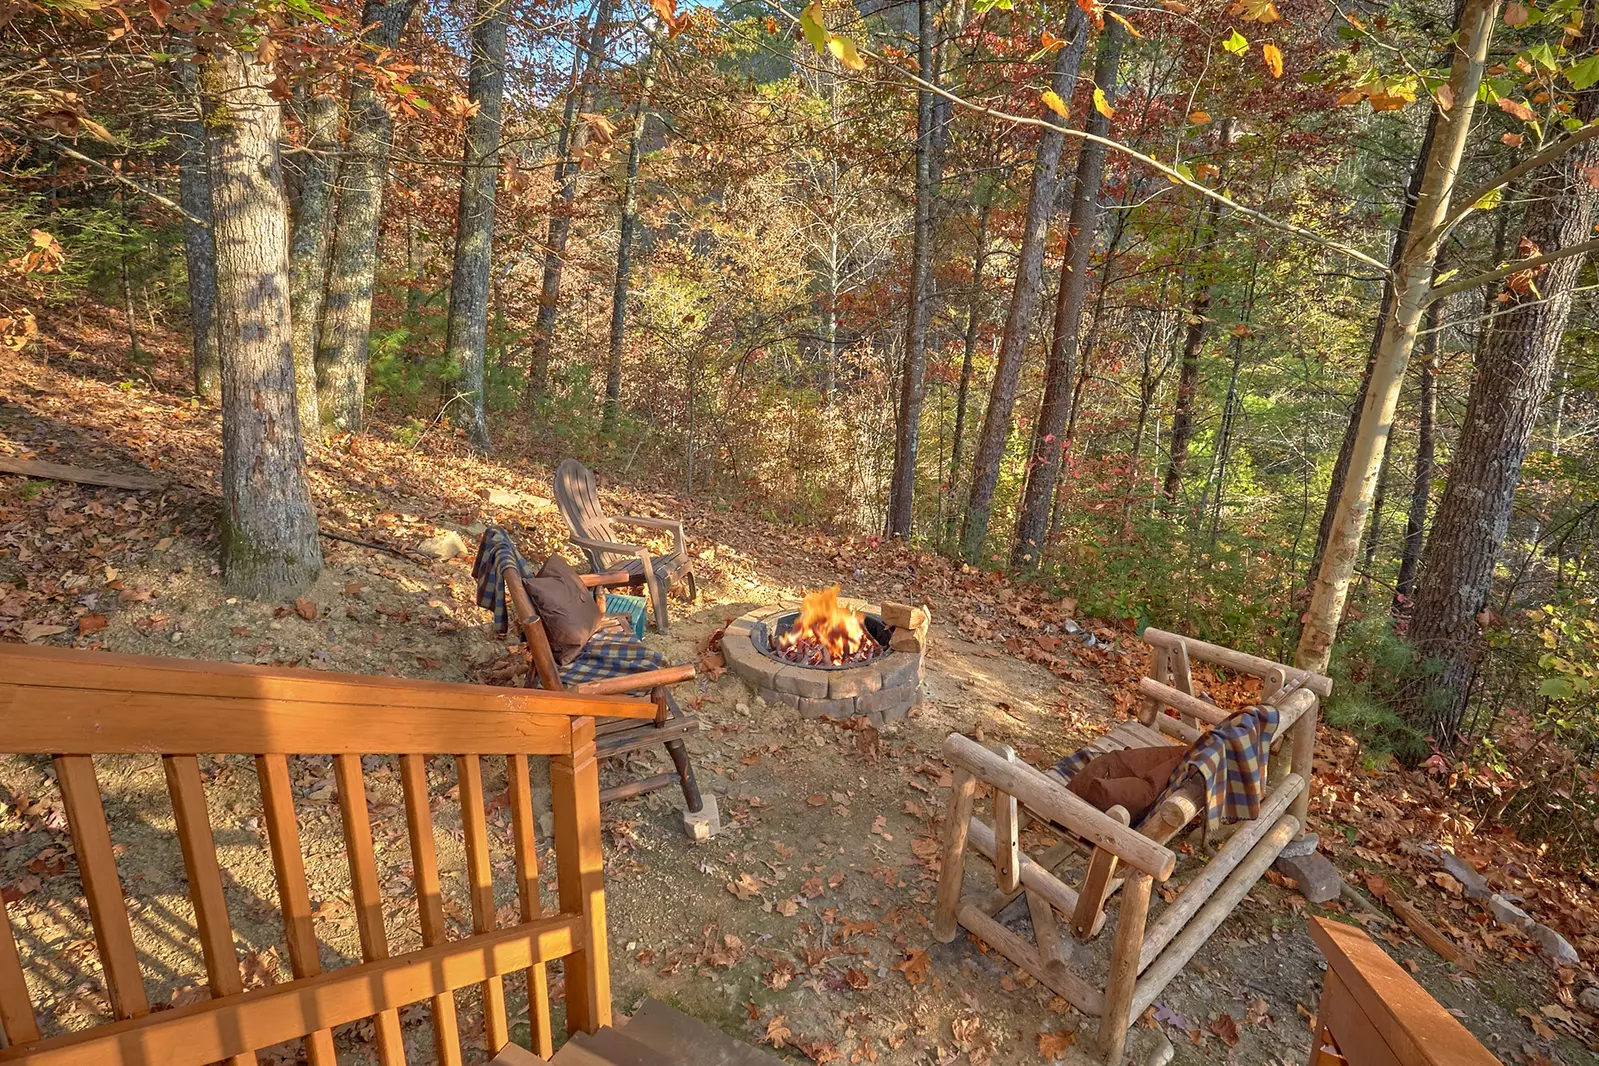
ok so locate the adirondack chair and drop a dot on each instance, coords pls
(1145, 955)
(72, 706)
(614, 663)
(593, 531)
(1372, 1011)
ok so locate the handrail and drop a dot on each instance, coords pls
(1237, 660)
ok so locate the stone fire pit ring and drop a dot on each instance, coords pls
(884, 690)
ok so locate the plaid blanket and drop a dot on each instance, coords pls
(1231, 759)
(496, 551)
(608, 656)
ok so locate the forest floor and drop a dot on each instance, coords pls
(805, 924)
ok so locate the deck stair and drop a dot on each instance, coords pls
(656, 1036)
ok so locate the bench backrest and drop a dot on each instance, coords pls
(72, 706)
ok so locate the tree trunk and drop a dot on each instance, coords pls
(624, 255)
(902, 488)
(974, 320)
(1412, 285)
(308, 249)
(194, 193)
(466, 334)
(347, 318)
(586, 62)
(1182, 417)
(269, 527)
(1508, 387)
(1060, 370)
(1421, 484)
(1374, 527)
(1023, 303)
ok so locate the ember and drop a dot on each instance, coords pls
(826, 634)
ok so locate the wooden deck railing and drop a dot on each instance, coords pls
(73, 706)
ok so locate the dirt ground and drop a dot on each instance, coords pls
(804, 925)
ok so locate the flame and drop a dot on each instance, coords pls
(825, 626)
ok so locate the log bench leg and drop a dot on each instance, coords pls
(1118, 1016)
(957, 822)
(685, 775)
(1097, 884)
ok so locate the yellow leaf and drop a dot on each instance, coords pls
(843, 49)
(1199, 118)
(1274, 59)
(1102, 105)
(1176, 7)
(1255, 10)
(1053, 101)
(1236, 43)
(1130, 27)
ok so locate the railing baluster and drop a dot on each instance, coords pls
(288, 865)
(527, 890)
(580, 876)
(97, 866)
(199, 847)
(368, 897)
(469, 775)
(429, 898)
(16, 1005)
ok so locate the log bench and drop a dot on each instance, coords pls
(1122, 858)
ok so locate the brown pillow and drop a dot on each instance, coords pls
(1133, 778)
(570, 614)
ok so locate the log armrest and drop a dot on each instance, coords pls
(1048, 798)
(675, 525)
(613, 577)
(611, 686)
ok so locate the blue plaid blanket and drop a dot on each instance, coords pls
(1231, 759)
(496, 551)
(610, 656)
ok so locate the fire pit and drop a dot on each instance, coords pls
(832, 657)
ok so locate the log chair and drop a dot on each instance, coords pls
(1145, 955)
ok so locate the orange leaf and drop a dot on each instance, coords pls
(1515, 14)
(1274, 59)
(1516, 109)
(91, 623)
(1052, 100)
(159, 9)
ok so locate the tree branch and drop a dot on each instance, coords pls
(1547, 154)
(73, 153)
(1531, 263)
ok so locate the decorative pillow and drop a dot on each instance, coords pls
(1133, 778)
(568, 609)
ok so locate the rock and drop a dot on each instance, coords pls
(446, 545)
(503, 498)
(1304, 845)
(1474, 883)
(706, 823)
(1317, 877)
(1589, 1000)
(1549, 942)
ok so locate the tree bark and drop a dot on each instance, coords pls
(1421, 484)
(1023, 303)
(269, 527)
(974, 320)
(1412, 284)
(1060, 370)
(308, 248)
(1182, 417)
(346, 329)
(1508, 388)
(194, 194)
(466, 334)
(589, 56)
(624, 255)
(907, 435)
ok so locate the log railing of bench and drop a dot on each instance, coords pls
(74, 705)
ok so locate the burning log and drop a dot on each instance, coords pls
(826, 634)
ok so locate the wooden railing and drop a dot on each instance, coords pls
(73, 706)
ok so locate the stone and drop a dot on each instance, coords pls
(1589, 1000)
(738, 650)
(503, 498)
(898, 668)
(1317, 877)
(905, 640)
(799, 680)
(815, 708)
(446, 545)
(780, 699)
(1549, 942)
(1305, 845)
(700, 826)
(847, 684)
(899, 698)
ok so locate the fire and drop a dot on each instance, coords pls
(826, 633)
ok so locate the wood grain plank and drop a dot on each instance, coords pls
(368, 896)
(97, 865)
(217, 1029)
(199, 847)
(429, 898)
(294, 898)
(17, 1021)
(524, 837)
(580, 878)
(480, 885)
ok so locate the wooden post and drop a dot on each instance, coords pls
(580, 877)
(1303, 738)
(1158, 671)
(1096, 884)
(1007, 835)
(957, 818)
(1118, 1016)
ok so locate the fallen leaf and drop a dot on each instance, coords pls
(305, 609)
(914, 966)
(1053, 1045)
(91, 623)
(1225, 1026)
